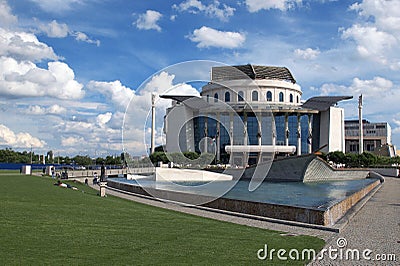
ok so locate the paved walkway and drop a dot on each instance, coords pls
(376, 226)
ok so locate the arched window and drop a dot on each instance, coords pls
(208, 97)
(254, 96)
(227, 96)
(216, 97)
(297, 98)
(281, 96)
(269, 96)
(240, 96)
(291, 98)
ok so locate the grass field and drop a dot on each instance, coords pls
(45, 224)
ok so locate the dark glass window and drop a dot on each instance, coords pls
(281, 96)
(254, 96)
(227, 96)
(291, 98)
(240, 96)
(269, 96)
(216, 97)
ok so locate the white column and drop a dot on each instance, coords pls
(259, 135)
(153, 121)
(309, 140)
(286, 129)
(360, 125)
(298, 134)
(205, 134)
(273, 130)
(217, 138)
(231, 127)
(245, 140)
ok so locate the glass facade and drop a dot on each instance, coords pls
(252, 131)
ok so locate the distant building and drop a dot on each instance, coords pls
(249, 110)
(377, 137)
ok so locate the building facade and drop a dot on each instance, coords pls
(377, 137)
(247, 113)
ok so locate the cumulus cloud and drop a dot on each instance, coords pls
(103, 119)
(24, 46)
(307, 54)
(118, 94)
(372, 43)
(148, 21)
(25, 79)
(215, 9)
(80, 36)
(257, 5)
(376, 39)
(18, 140)
(54, 29)
(374, 88)
(378, 94)
(54, 109)
(209, 37)
(71, 141)
(6, 17)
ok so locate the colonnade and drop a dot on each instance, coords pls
(259, 116)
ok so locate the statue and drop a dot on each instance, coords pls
(103, 173)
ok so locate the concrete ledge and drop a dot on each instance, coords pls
(315, 216)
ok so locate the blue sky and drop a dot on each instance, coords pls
(69, 67)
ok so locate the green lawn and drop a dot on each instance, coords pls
(45, 224)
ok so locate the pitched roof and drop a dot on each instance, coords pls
(251, 71)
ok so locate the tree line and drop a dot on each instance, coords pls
(8, 155)
(365, 159)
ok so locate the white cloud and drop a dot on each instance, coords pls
(103, 119)
(6, 17)
(25, 79)
(40, 110)
(377, 33)
(374, 88)
(257, 5)
(118, 94)
(209, 37)
(24, 46)
(72, 141)
(80, 36)
(215, 9)
(372, 43)
(148, 21)
(386, 13)
(19, 140)
(57, 6)
(307, 54)
(55, 29)
(378, 94)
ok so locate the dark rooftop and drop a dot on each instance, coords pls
(322, 103)
(253, 72)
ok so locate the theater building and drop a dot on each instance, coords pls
(246, 113)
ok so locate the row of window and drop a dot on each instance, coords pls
(254, 97)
